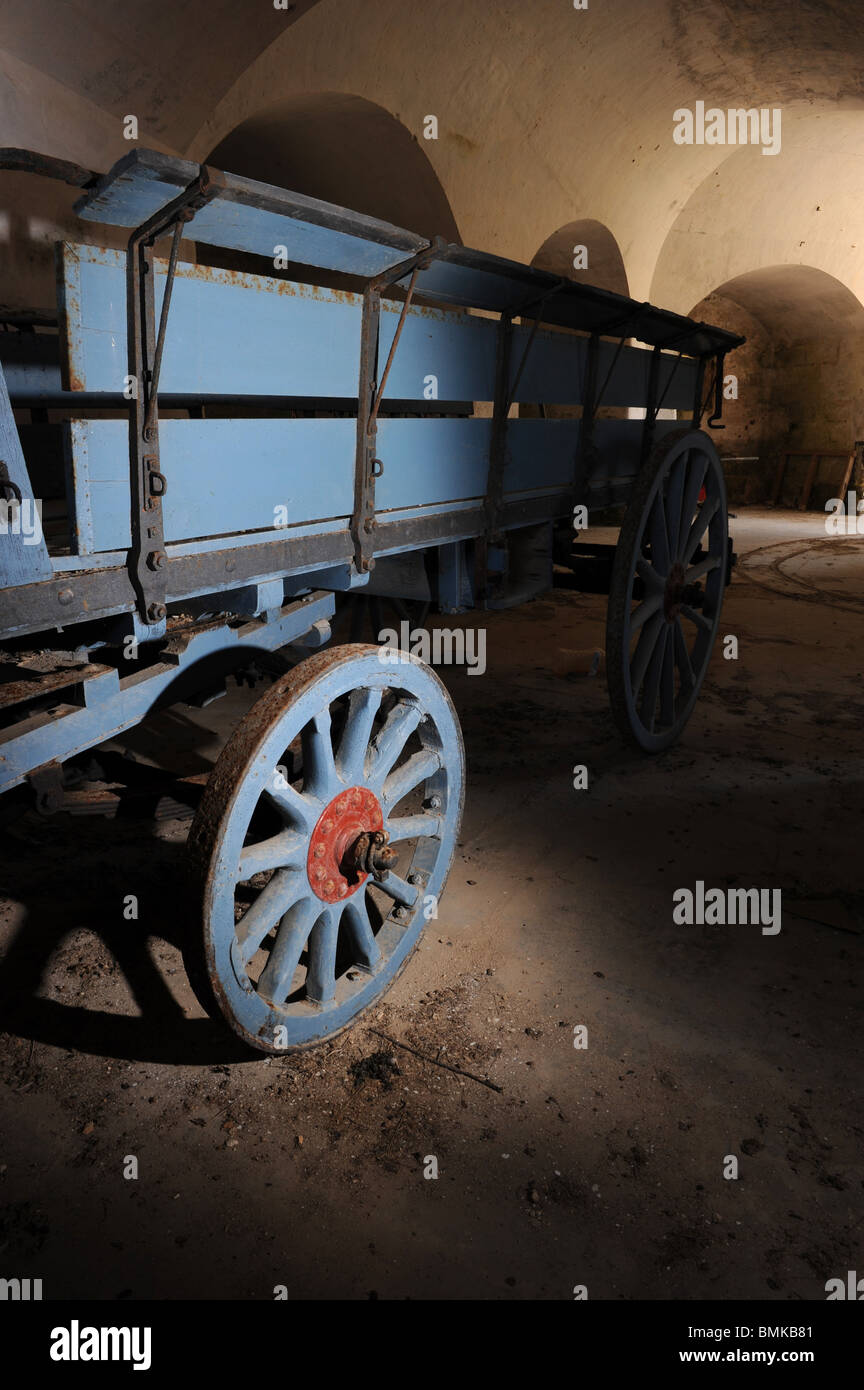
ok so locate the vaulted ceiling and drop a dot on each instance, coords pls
(167, 61)
(548, 116)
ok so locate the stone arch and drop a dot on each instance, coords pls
(800, 378)
(605, 266)
(346, 150)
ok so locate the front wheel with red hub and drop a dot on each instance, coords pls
(323, 842)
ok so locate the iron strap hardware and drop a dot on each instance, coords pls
(8, 487)
(147, 561)
(651, 405)
(368, 467)
(698, 389)
(669, 380)
(592, 396)
(584, 460)
(498, 435)
(29, 162)
(505, 395)
(714, 420)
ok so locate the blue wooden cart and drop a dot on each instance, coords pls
(196, 460)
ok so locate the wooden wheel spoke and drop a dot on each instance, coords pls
(321, 970)
(363, 705)
(292, 805)
(702, 567)
(649, 575)
(651, 686)
(698, 469)
(396, 888)
(682, 660)
(645, 610)
(648, 639)
(285, 888)
(391, 739)
(359, 931)
(413, 827)
(319, 766)
(694, 616)
(282, 851)
(658, 535)
(674, 500)
(699, 526)
(667, 681)
(278, 973)
(405, 778)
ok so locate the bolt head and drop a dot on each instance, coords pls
(435, 803)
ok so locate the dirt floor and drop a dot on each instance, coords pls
(601, 1166)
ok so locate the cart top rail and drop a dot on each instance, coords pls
(246, 215)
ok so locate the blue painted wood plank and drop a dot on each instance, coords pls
(236, 334)
(224, 476)
(135, 188)
(260, 232)
(428, 462)
(247, 215)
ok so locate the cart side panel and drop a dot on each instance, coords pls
(554, 372)
(230, 476)
(240, 334)
(234, 334)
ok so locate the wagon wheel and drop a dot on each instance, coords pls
(322, 842)
(668, 579)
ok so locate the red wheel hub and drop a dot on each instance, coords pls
(352, 813)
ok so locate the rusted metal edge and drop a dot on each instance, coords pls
(47, 166)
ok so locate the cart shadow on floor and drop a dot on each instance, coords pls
(69, 887)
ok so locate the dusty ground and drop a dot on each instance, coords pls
(601, 1167)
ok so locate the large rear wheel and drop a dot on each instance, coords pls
(668, 580)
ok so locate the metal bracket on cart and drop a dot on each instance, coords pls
(714, 420)
(505, 395)
(368, 466)
(147, 559)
